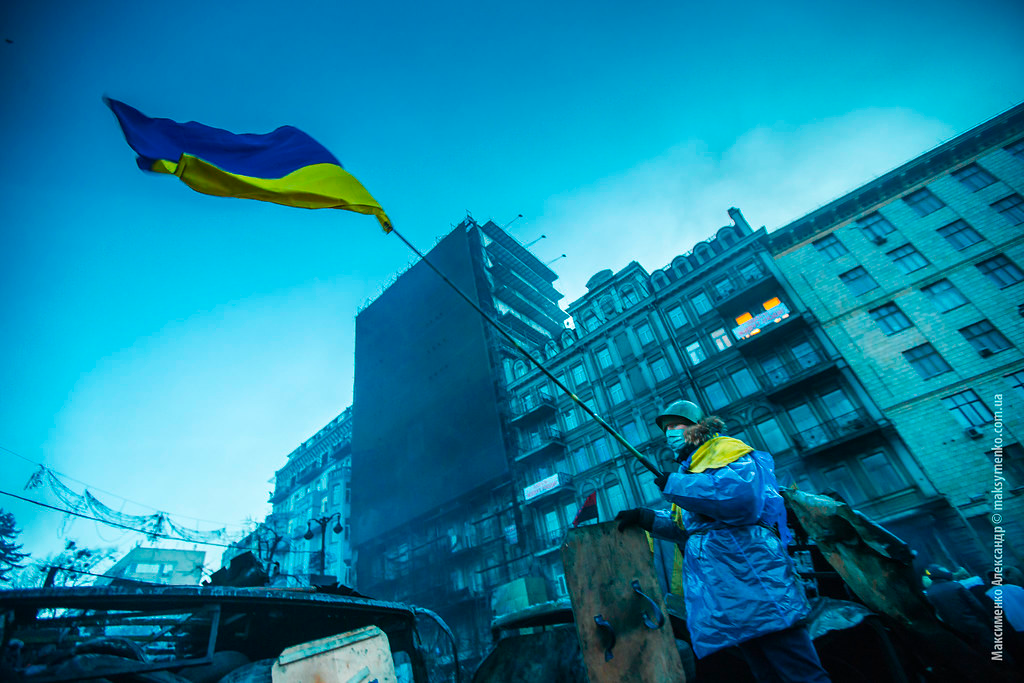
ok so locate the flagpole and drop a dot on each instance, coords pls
(494, 323)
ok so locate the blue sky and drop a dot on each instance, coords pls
(172, 348)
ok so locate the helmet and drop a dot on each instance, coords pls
(687, 410)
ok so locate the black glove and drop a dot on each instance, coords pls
(661, 480)
(641, 517)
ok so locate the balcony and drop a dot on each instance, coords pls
(792, 373)
(548, 486)
(831, 433)
(550, 541)
(532, 405)
(726, 299)
(752, 334)
(539, 441)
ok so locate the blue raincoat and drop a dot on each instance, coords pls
(739, 581)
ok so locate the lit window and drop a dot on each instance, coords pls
(1016, 149)
(858, 280)
(1012, 208)
(721, 339)
(974, 177)
(717, 398)
(616, 394)
(1001, 270)
(944, 295)
(660, 369)
(923, 201)
(701, 303)
(676, 317)
(908, 259)
(695, 353)
(968, 409)
(985, 338)
(960, 235)
(771, 303)
(890, 318)
(744, 382)
(926, 360)
(645, 334)
(746, 317)
(875, 227)
(830, 247)
(604, 358)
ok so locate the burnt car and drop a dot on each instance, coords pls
(202, 634)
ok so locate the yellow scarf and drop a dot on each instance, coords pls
(718, 452)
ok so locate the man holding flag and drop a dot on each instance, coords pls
(740, 587)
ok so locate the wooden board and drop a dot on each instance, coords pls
(600, 564)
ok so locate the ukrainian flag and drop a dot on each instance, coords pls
(285, 167)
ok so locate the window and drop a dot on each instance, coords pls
(1001, 270)
(660, 369)
(579, 375)
(717, 398)
(858, 280)
(944, 295)
(744, 382)
(875, 227)
(1012, 208)
(602, 450)
(570, 420)
(840, 480)
(645, 334)
(581, 460)
(774, 369)
(985, 338)
(676, 317)
(968, 409)
(629, 296)
(923, 201)
(805, 354)
(750, 272)
(615, 394)
(882, 475)
(890, 318)
(830, 247)
(701, 303)
(974, 177)
(616, 499)
(1017, 379)
(839, 407)
(519, 369)
(723, 287)
(773, 438)
(631, 434)
(960, 235)
(695, 352)
(926, 360)
(808, 427)
(1016, 149)
(721, 339)
(908, 259)
(604, 358)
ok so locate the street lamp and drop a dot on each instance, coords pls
(323, 521)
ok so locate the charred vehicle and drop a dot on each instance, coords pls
(202, 634)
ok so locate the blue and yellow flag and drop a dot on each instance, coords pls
(285, 166)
